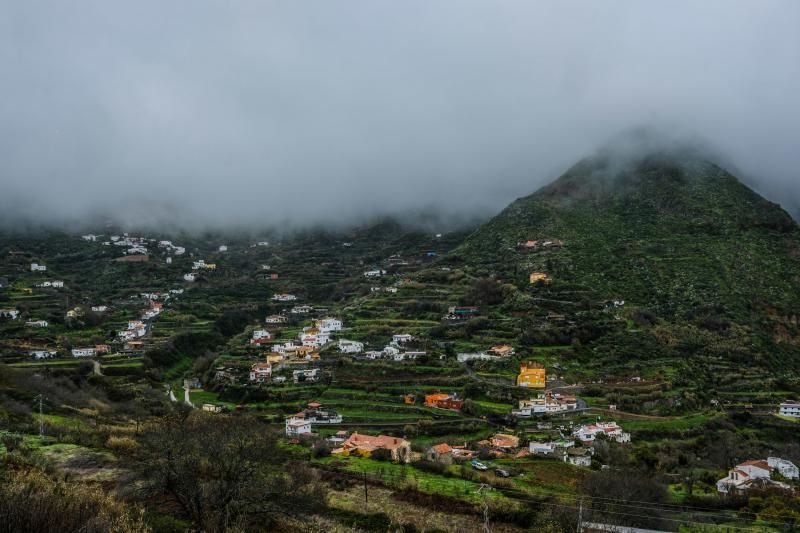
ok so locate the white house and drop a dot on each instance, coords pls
(313, 341)
(9, 313)
(89, 237)
(260, 372)
(276, 319)
(784, 467)
(546, 403)
(558, 447)
(223, 248)
(374, 273)
(169, 260)
(176, 291)
(579, 456)
(372, 354)
(748, 475)
(284, 297)
(190, 276)
(262, 334)
(329, 324)
(300, 309)
(402, 338)
(347, 346)
(58, 284)
(41, 354)
(541, 448)
(36, 267)
(482, 356)
(297, 425)
(391, 351)
(589, 432)
(311, 375)
(83, 352)
(37, 323)
(99, 308)
(790, 409)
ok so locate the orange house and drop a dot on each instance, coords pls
(531, 374)
(409, 399)
(502, 350)
(536, 277)
(432, 399)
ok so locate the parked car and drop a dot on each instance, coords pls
(477, 465)
(499, 472)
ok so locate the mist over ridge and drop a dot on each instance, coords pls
(290, 115)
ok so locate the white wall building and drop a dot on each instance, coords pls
(262, 334)
(41, 354)
(348, 346)
(790, 409)
(260, 372)
(297, 425)
(9, 313)
(83, 352)
(748, 475)
(589, 432)
(276, 319)
(402, 338)
(784, 467)
(329, 324)
(36, 267)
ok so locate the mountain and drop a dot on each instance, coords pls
(676, 236)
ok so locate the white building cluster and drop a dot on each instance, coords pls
(546, 403)
(588, 433)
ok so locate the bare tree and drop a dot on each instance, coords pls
(225, 471)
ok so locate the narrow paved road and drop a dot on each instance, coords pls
(186, 398)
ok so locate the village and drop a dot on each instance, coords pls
(412, 370)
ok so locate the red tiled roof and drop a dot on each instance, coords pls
(442, 448)
(368, 442)
(759, 463)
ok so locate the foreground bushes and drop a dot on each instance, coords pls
(31, 501)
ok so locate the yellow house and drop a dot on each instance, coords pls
(531, 374)
(211, 266)
(274, 357)
(536, 277)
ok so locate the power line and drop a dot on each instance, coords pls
(523, 496)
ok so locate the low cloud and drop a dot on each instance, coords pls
(209, 114)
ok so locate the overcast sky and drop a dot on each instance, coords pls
(210, 112)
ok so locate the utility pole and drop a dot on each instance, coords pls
(486, 526)
(366, 496)
(41, 418)
(580, 516)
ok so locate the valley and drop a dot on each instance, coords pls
(609, 348)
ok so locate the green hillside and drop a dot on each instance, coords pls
(702, 261)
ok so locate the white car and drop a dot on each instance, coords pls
(477, 465)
